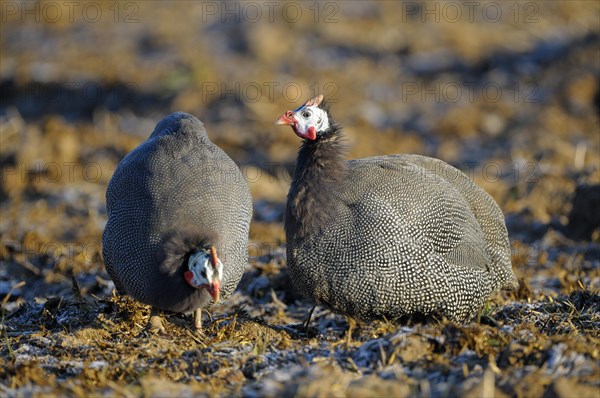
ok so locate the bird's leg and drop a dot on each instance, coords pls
(198, 319)
(155, 324)
(351, 327)
(305, 325)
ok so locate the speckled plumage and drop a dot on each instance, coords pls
(389, 236)
(175, 192)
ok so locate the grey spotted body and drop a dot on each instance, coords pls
(179, 182)
(389, 236)
(406, 234)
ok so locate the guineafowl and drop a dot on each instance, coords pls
(388, 236)
(179, 211)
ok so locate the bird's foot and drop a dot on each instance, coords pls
(351, 327)
(155, 323)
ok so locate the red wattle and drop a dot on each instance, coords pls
(189, 277)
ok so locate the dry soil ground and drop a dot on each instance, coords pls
(510, 98)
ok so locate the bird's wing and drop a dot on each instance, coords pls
(455, 214)
(488, 215)
(404, 204)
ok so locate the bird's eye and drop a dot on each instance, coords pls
(306, 114)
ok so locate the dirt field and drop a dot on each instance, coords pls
(506, 91)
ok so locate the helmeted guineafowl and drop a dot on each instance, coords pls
(388, 236)
(179, 211)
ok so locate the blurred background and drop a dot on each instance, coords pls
(508, 92)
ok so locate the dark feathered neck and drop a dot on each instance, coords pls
(176, 248)
(320, 168)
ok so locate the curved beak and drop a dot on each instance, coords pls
(286, 119)
(214, 289)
